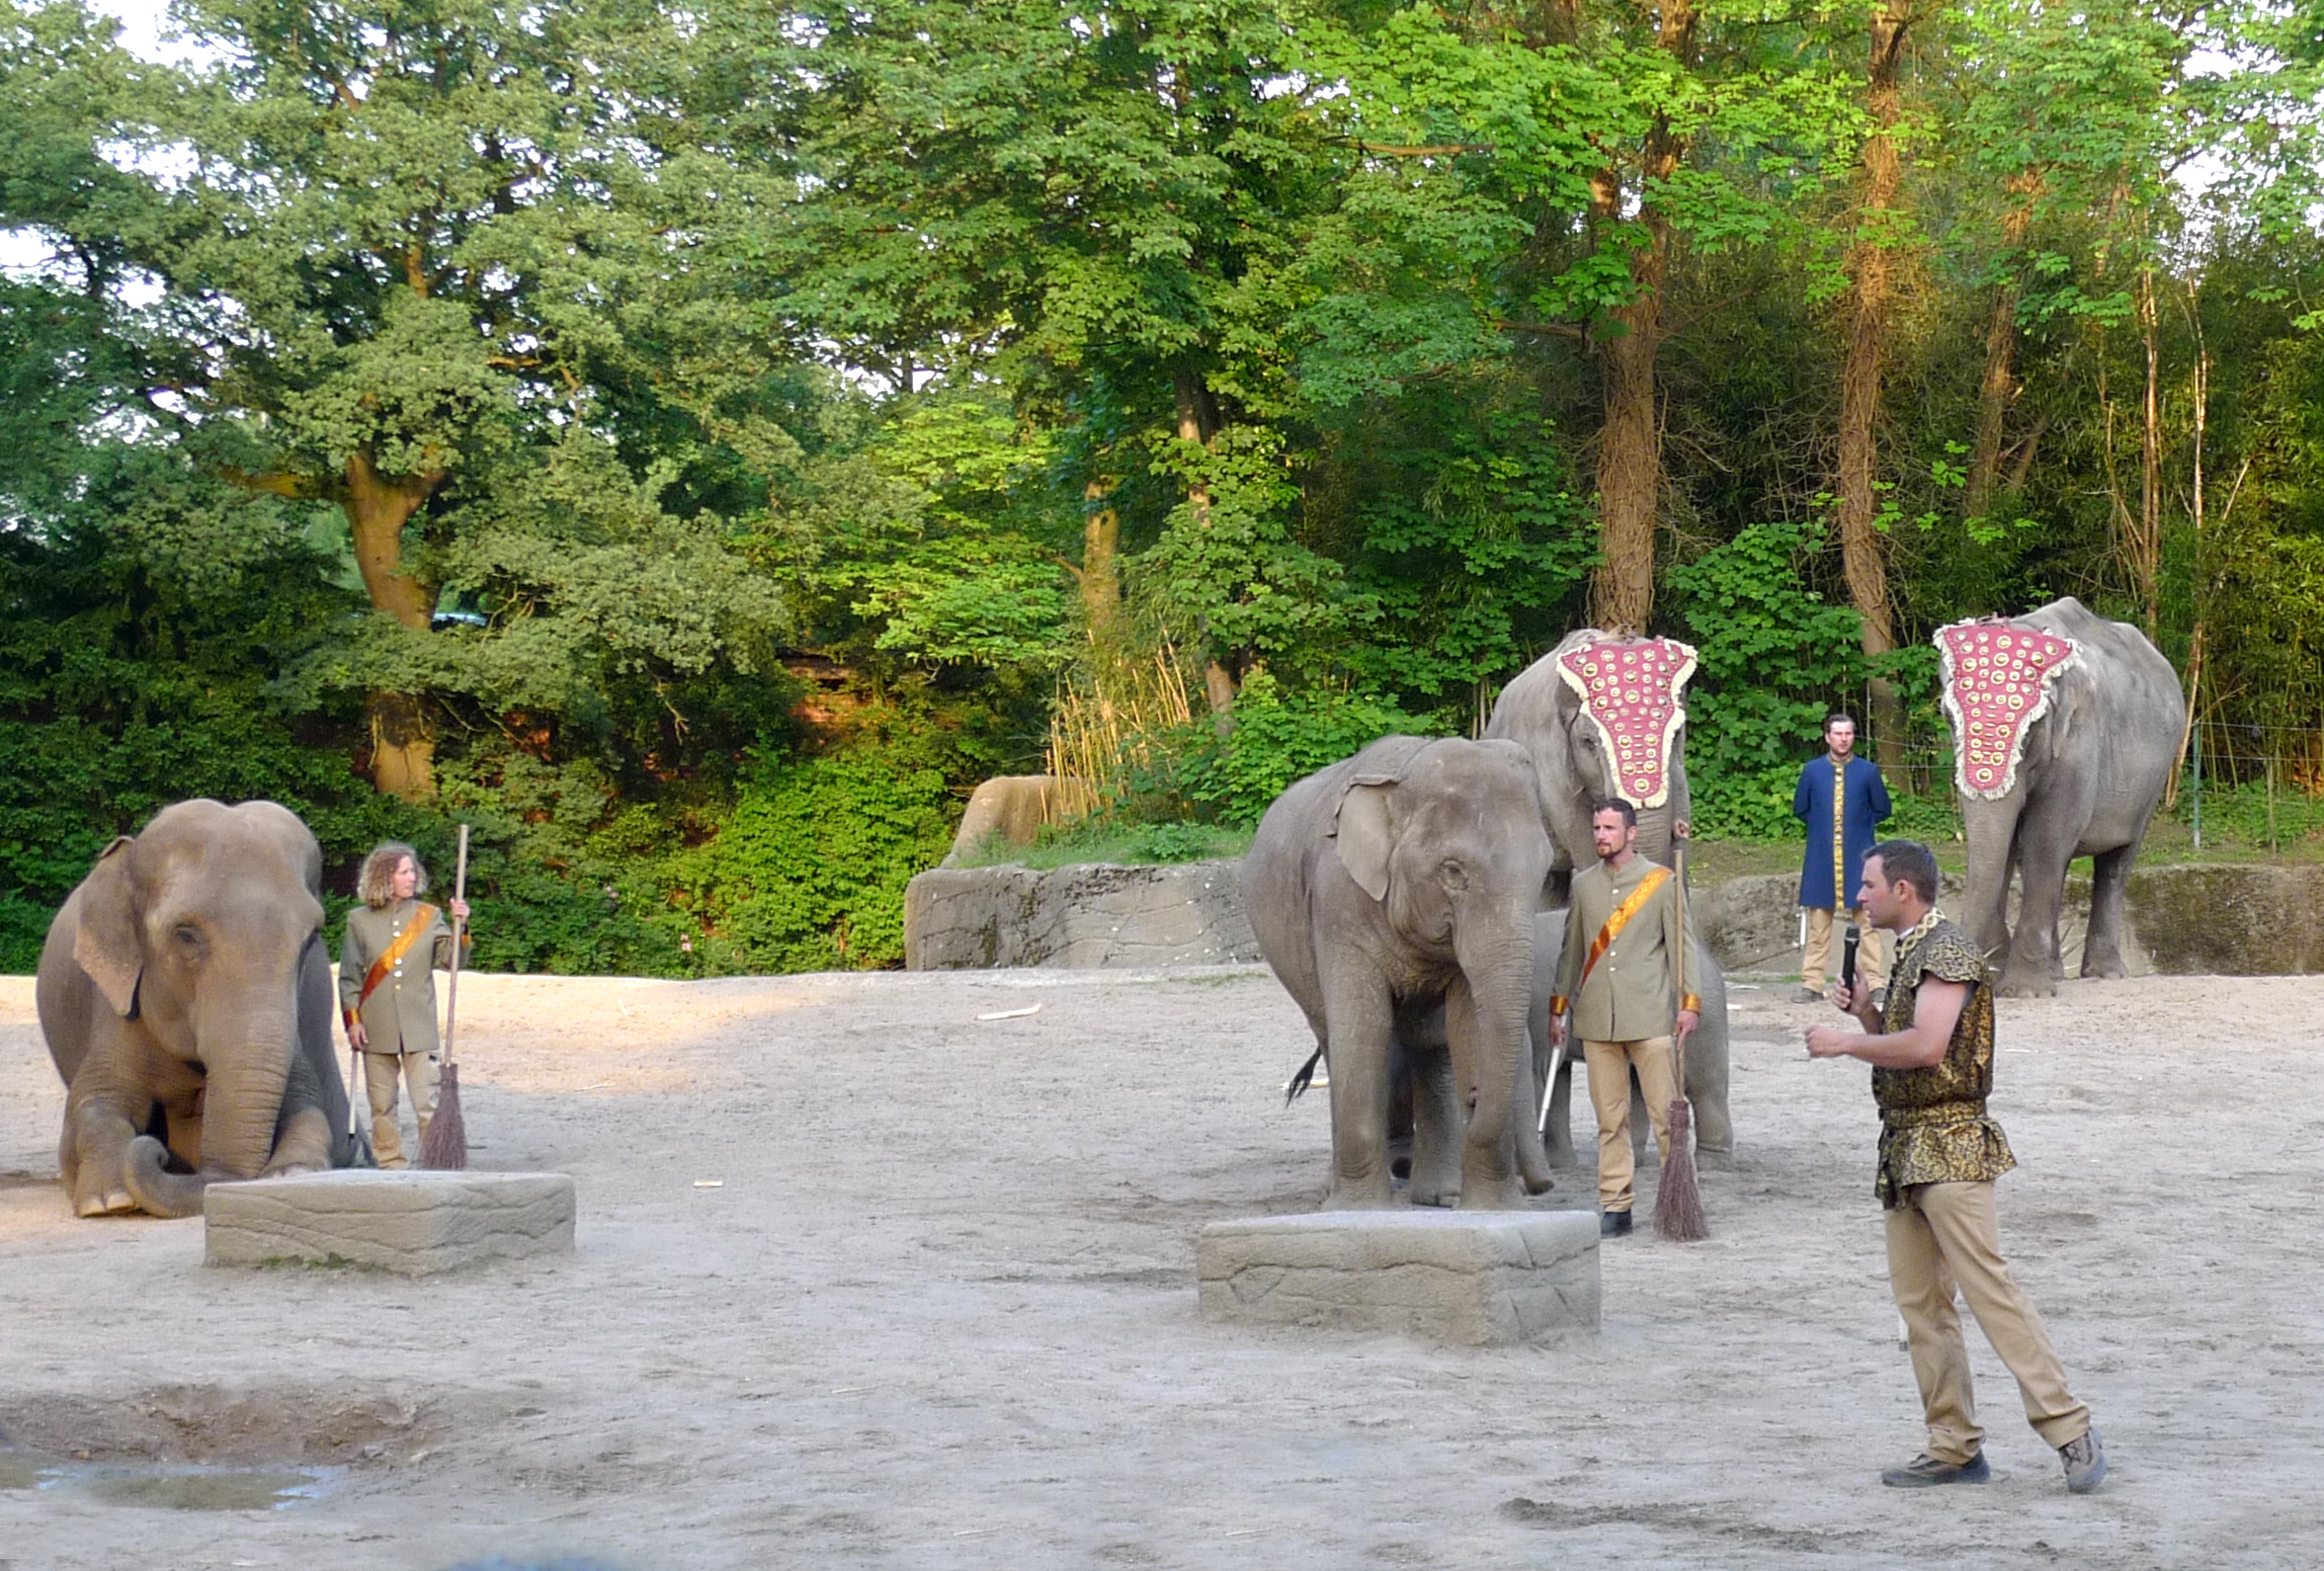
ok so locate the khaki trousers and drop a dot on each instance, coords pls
(380, 1074)
(1945, 1234)
(1871, 954)
(1610, 1063)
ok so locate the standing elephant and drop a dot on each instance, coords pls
(186, 1001)
(2066, 728)
(1602, 715)
(1395, 894)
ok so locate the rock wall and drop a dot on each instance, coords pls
(1093, 915)
(2223, 921)
(2190, 920)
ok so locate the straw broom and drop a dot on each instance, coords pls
(1678, 1203)
(445, 1144)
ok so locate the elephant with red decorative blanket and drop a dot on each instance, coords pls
(2066, 728)
(1605, 715)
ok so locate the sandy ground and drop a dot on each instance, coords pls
(942, 1310)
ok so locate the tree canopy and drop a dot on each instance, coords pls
(662, 435)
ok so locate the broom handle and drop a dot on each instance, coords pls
(459, 891)
(1679, 968)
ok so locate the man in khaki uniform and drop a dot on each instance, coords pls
(1617, 974)
(387, 990)
(1931, 1048)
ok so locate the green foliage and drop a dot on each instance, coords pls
(787, 390)
(1281, 735)
(807, 873)
(1469, 548)
(1113, 840)
(1774, 658)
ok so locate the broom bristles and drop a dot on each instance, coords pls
(445, 1144)
(1678, 1203)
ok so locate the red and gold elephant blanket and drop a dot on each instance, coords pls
(1996, 678)
(1631, 690)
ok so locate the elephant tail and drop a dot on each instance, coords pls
(1300, 1082)
(155, 1188)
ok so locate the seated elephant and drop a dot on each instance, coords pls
(1393, 894)
(185, 998)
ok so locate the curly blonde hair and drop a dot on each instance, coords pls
(378, 884)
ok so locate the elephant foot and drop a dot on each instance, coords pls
(1718, 1161)
(1436, 1195)
(1488, 1196)
(1367, 1195)
(2106, 968)
(2018, 986)
(109, 1204)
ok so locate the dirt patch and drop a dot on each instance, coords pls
(941, 1309)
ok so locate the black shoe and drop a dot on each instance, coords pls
(1613, 1224)
(1925, 1469)
(2084, 1461)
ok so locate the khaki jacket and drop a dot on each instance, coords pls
(400, 1015)
(1628, 996)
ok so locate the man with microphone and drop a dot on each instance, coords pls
(1931, 1048)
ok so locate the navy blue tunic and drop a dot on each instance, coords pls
(1866, 809)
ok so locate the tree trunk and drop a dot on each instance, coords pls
(1871, 266)
(1198, 421)
(1630, 453)
(2146, 555)
(403, 744)
(1100, 575)
(1630, 447)
(1998, 389)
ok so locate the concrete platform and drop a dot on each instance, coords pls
(412, 1222)
(1474, 1278)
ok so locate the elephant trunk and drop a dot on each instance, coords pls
(242, 1106)
(1654, 832)
(1991, 828)
(1499, 970)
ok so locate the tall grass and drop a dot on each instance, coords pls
(1115, 721)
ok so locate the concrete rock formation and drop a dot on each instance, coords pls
(1014, 809)
(1472, 1278)
(2203, 919)
(1094, 914)
(416, 1222)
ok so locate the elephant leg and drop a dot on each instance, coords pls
(1558, 1142)
(1362, 1030)
(303, 1146)
(1435, 1131)
(95, 1157)
(2110, 883)
(2044, 847)
(1532, 1163)
(1706, 1066)
(1401, 1123)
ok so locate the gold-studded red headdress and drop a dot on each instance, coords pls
(1996, 679)
(1631, 690)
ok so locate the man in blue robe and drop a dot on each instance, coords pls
(1843, 802)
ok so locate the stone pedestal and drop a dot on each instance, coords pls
(412, 1222)
(1470, 1277)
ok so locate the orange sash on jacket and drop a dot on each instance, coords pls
(1656, 875)
(422, 920)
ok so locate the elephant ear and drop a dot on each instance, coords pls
(1364, 837)
(106, 945)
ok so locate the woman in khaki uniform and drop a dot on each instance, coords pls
(387, 964)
